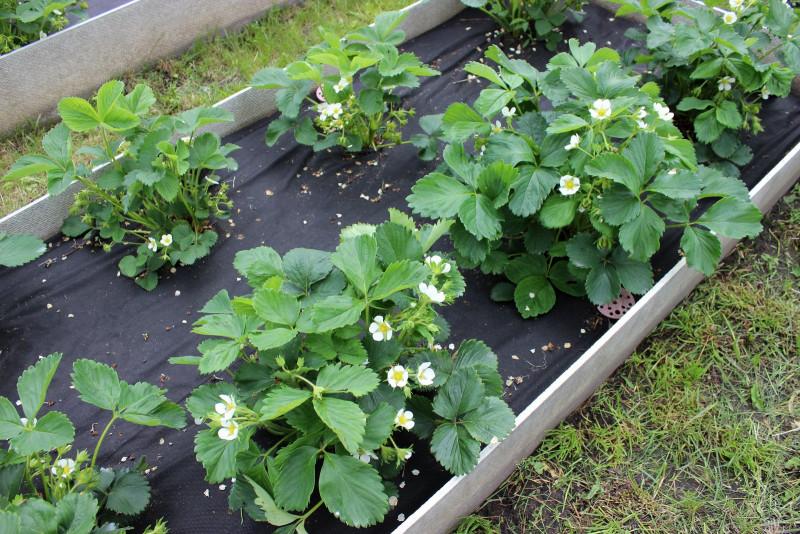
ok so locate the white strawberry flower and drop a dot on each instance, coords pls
(342, 85)
(425, 374)
(726, 83)
(380, 329)
(397, 376)
(365, 456)
(663, 112)
(435, 262)
(42, 35)
(497, 128)
(508, 112)
(322, 109)
(601, 109)
(641, 113)
(574, 141)
(765, 94)
(730, 17)
(431, 292)
(569, 185)
(404, 419)
(24, 421)
(227, 407)
(166, 240)
(229, 430)
(736, 4)
(641, 124)
(335, 110)
(152, 244)
(63, 468)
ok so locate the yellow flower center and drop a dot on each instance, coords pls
(384, 328)
(569, 184)
(402, 419)
(397, 375)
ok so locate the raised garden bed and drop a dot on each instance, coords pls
(122, 36)
(72, 301)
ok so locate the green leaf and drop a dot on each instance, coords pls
(10, 423)
(50, 431)
(274, 515)
(330, 313)
(37, 516)
(690, 103)
(509, 148)
(462, 392)
(437, 195)
(531, 189)
(480, 217)
(205, 397)
(460, 122)
(728, 115)
(397, 243)
(357, 259)
(558, 211)
(355, 379)
(534, 296)
(57, 143)
(219, 303)
(305, 266)
(17, 249)
(258, 264)
(345, 418)
(10, 523)
(380, 425)
(681, 185)
(97, 383)
(617, 168)
(580, 82)
(702, 249)
(218, 456)
(281, 400)
(705, 70)
(455, 449)
(144, 404)
(524, 266)
(566, 123)
(270, 338)
(619, 205)
(583, 252)
(492, 419)
(635, 276)
(732, 217)
(352, 490)
(76, 513)
(602, 284)
(129, 492)
(276, 307)
(33, 383)
(296, 479)
(270, 78)
(707, 127)
(641, 236)
(645, 152)
(399, 276)
(78, 114)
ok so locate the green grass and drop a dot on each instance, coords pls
(698, 431)
(216, 67)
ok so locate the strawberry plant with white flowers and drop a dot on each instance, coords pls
(155, 193)
(360, 109)
(26, 21)
(577, 198)
(50, 487)
(335, 366)
(717, 69)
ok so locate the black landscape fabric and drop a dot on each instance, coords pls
(288, 197)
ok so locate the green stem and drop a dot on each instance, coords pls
(102, 437)
(28, 477)
(111, 155)
(41, 475)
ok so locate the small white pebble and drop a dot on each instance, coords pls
(338, 215)
(468, 28)
(184, 321)
(305, 222)
(583, 330)
(205, 493)
(161, 441)
(198, 421)
(415, 472)
(401, 517)
(514, 357)
(173, 270)
(494, 440)
(49, 306)
(567, 345)
(533, 351)
(71, 315)
(19, 403)
(451, 346)
(402, 484)
(123, 459)
(222, 487)
(392, 501)
(44, 280)
(177, 293)
(238, 279)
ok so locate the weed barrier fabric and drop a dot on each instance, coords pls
(72, 300)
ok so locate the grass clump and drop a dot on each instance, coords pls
(214, 68)
(698, 431)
